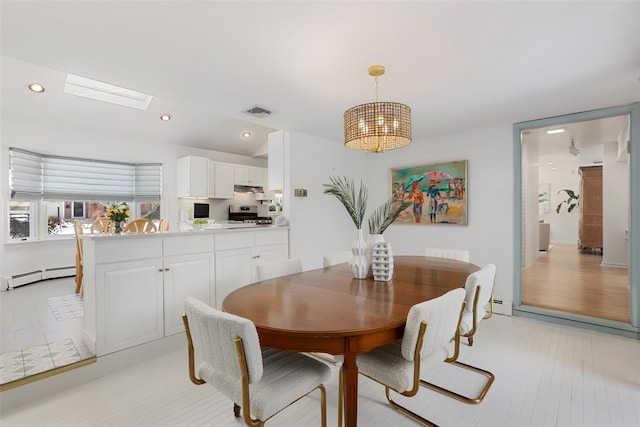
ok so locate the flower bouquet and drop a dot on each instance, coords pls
(118, 213)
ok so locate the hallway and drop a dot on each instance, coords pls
(565, 279)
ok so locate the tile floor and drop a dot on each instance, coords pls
(41, 329)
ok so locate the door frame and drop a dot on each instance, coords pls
(631, 329)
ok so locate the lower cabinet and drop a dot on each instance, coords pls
(238, 254)
(129, 308)
(135, 289)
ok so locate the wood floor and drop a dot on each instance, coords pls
(546, 375)
(567, 280)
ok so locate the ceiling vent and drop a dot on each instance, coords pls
(258, 111)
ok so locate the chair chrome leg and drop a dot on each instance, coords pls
(236, 410)
(460, 397)
(406, 411)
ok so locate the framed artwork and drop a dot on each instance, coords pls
(543, 198)
(438, 193)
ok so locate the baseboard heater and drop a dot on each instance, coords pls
(38, 275)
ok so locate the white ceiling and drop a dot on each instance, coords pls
(459, 65)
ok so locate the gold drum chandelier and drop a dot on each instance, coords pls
(377, 126)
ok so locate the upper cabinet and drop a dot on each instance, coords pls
(221, 180)
(192, 179)
(248, 175)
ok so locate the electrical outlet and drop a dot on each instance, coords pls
(300, 192)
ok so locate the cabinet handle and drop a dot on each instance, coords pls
(160, 270)
(167, 269)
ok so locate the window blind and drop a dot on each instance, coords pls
(25, 175)
(47, 177)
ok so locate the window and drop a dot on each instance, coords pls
(70, 189)
(21, 224)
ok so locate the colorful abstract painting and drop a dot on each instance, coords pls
(438, 193)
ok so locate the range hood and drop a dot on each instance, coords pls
(247, 189)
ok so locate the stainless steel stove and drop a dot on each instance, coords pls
(248, 214)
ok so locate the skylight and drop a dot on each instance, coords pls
(93, 89)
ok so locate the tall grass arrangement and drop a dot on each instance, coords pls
(355, 202)
(385, 214)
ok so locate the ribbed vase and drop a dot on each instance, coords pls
(359, 265)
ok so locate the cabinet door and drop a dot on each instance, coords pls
(241, 175)
(255, 176)
(185, 276)
(129, 308)
(272, 253)
(234, 269)
(192, 176)
(221, 180)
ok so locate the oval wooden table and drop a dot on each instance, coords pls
(328, 311)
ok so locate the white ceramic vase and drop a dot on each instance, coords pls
(359, 265)
(372, 239)
(382, 262)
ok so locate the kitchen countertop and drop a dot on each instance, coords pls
(215, 228)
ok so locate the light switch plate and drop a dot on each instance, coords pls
(300, 192)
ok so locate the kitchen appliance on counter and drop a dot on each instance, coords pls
(248, 214)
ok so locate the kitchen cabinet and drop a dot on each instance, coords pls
(238, 255)
(248, 175)
(135, 285)
(221, 180)
(134, 292)
(590, 224)
(188, 272)
(192, 179)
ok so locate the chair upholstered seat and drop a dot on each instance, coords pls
(467, 319)
(262, 382)
(286, 377)
(387, 365)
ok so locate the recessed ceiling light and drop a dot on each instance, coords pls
(93, 89)
(246, 134)
(553, 169)
(549, 163)
(165, 117)
(36, 87)
(554, 131)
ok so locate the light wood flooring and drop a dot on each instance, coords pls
(567, 280)
(546, 375)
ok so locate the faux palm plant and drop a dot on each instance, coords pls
(355, 202)
(385, 214)
(572, 200)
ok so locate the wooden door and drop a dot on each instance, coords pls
(591, 207)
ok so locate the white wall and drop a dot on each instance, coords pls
(489, 233)
(615, 208)
(83, 143)
(564, 226)
(319, 223)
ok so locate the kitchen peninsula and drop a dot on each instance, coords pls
(135, 284)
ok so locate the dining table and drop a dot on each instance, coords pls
(327, 310)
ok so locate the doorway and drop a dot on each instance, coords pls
(543, 278)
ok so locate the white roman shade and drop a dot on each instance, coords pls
(47, 177)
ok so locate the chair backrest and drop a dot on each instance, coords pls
(164, 224)
(102, 226)
(141, 225)
(271, 270)
(213, 333)
(336, 258)
(457, 254)
(485, 277)
(441, 315)
(77, 228)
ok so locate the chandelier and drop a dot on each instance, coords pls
(377, 126)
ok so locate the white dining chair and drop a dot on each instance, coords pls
(457, 254)
(426, 342)
(270, 270)
(479, 288)
(336, 258)
(260, 382)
